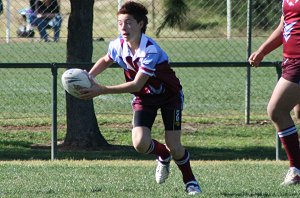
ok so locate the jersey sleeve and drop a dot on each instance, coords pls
(114, 52)
(149, 62)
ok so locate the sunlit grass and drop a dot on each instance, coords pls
(127, 178)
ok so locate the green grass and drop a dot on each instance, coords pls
(208, 92)
(228, 159)
(136, 179)
(207, 139)
(179, 50)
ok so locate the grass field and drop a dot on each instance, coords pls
(119, 178)
(207, 92)
(208, 43)
(179, 50)
(229, 158)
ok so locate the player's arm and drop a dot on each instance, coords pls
(128, 87)
(103, 63)
(273, 42)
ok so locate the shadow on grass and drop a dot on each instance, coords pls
(21, 151)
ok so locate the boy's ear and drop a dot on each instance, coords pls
(141, 24)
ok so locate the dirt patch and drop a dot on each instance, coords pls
(188, 127)
(27, 128)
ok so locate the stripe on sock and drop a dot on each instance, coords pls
(151, 147)
(183, 161)
(286, 132)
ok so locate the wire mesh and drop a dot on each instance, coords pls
(203, 36)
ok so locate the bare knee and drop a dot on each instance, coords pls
(274, 113)
(141, 147)
(141, 139)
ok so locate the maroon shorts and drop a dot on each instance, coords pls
(145, 111)
(291, 70)
(171, 118)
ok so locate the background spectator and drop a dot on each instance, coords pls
(46, 15)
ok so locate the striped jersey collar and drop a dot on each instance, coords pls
(141, 52)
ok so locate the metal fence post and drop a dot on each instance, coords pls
(248, 79)
(228, 19)
(54, 112)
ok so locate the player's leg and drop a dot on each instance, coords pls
(172, 122)
(142, 142)
(285, 97)
(141, 138)
(141, 135)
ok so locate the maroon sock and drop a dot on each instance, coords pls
(185, 167)
(158, 149)
(290, 142)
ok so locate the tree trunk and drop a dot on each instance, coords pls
(82, 127)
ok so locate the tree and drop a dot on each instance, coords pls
(175, 14)
(82, 127)
(1, 7)
(266, 13)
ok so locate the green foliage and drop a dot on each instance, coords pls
(1, 7)
(209, 14)
(267, 13)
(176, 11)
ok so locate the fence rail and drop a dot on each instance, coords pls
(54, 71)
(208, 52)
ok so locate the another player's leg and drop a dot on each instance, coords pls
(142, 142)
(279, 111)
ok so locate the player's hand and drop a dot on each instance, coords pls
(90, 76)
(93, 91)
(255, 58)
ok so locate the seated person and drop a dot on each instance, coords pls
(46, 14)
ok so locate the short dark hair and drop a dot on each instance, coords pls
(137, 10)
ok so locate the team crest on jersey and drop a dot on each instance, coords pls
(292, 2)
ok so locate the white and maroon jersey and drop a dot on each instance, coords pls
(291, 30)
(151, 60)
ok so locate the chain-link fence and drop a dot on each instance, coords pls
(212, 31)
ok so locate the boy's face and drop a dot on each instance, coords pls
(129, 28)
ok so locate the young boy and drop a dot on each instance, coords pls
(154, 86)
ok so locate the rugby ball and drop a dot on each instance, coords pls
(75, 79)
